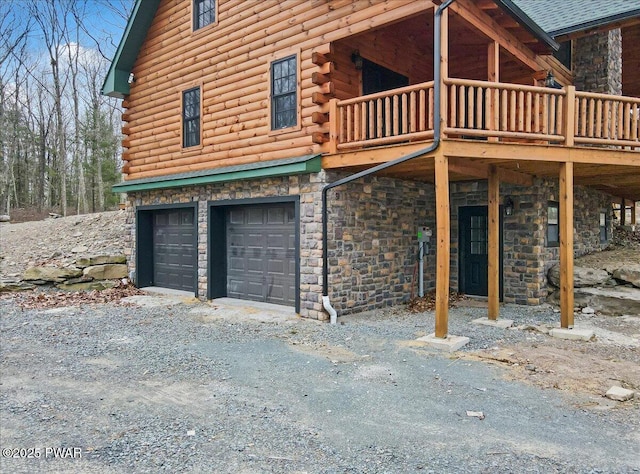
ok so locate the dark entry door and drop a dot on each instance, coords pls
(261, 254)
(174, 249)
(473, 250)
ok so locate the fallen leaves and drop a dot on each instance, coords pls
(428, 302)
(57, 299)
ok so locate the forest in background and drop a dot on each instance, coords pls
(60, 139)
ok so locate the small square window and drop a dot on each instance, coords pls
(191, 117)
(604, 228)
(284, 93)
(553, 224)
(204, 13)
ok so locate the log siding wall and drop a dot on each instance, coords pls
(231, 61)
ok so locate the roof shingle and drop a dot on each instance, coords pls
(558, 17)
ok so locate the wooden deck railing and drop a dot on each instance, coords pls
(488, 110)
(602, 119)
(504, 111)
(384, 118)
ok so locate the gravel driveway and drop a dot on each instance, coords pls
(196, 387)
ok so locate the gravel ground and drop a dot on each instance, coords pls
(195, 387)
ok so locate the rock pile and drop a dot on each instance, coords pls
(87, 273)
(612, 291)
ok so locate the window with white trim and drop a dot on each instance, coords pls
(604, 227)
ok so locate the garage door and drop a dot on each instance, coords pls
(174, 249)
(261, 258)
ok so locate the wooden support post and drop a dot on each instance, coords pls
(493, 70)
(566, 245)
(443, 244)
(633, 213)
(570, 116)
(494, 239)
(623, 211)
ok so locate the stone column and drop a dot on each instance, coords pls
(597, 62)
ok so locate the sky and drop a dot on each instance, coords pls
(103, 22)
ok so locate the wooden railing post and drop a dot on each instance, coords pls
(444, 72)
(570, 116)
(334, 124)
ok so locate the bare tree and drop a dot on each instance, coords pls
(13, 35)
(50, 16)
(59, 138)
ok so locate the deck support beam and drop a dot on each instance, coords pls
(566, 245)
(443, 244)
(494, 239)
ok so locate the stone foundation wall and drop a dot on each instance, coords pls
(526, 256)
(373, 242)
(372, 234)
(588, 204)
(523, 238)
(308, 187)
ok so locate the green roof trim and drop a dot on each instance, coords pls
(116, 84)
(264, 169)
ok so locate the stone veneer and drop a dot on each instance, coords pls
(372, 234)
(373, 244)
(597, 62)
(308, 187)
(526, 256)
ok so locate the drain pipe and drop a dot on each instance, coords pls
(326, 303)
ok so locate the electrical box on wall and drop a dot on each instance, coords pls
(424, 234)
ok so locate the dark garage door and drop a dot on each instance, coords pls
(174, 249)
(261, 258)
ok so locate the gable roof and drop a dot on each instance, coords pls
(562, 17)
(116, 84)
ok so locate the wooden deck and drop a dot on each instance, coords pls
(488, 110)
(527, 131)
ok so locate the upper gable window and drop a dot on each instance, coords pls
(284, 93)
(204, 13)
(191, 117)
(564, 54)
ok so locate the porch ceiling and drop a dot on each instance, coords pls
(614, 172)
(395, 42)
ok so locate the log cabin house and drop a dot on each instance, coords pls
(283, 151)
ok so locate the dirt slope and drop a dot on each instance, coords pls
(59, 240)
